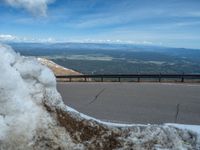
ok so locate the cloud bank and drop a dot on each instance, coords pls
(14, 38)
(36, 7)
(7, 37)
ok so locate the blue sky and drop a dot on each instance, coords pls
(174, 23)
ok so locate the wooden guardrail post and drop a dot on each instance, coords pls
(101, 79)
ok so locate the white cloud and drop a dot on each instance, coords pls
(36, 7)
(113, 41)
(7, 37)
(13, 38)
(47, 40)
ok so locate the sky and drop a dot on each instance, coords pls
(173, 23)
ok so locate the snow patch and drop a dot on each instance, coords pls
(51, 63)
(193, 128)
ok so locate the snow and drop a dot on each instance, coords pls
(193, 128)
(111, 124)
(24, 83)
(28, 90)
(51, 63)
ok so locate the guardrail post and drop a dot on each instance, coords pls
(119, 79)
(70, 79)
(160, 77)
(101, 79)
(182, 78)
(138, 79)
(85, 79)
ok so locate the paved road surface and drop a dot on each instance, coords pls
(135, 102)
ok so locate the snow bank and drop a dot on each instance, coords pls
(24, 86)
(33, 116)
(193, 128)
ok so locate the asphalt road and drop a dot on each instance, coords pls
(153, 103)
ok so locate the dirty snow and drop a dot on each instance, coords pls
(24, 85)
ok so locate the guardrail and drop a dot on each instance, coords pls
(138, 77)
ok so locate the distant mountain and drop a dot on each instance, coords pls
(103, 46)
(98, 58)
(41, 49)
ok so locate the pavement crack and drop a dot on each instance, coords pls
(96, 97)
(177, 112)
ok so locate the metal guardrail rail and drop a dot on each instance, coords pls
(138, 77)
